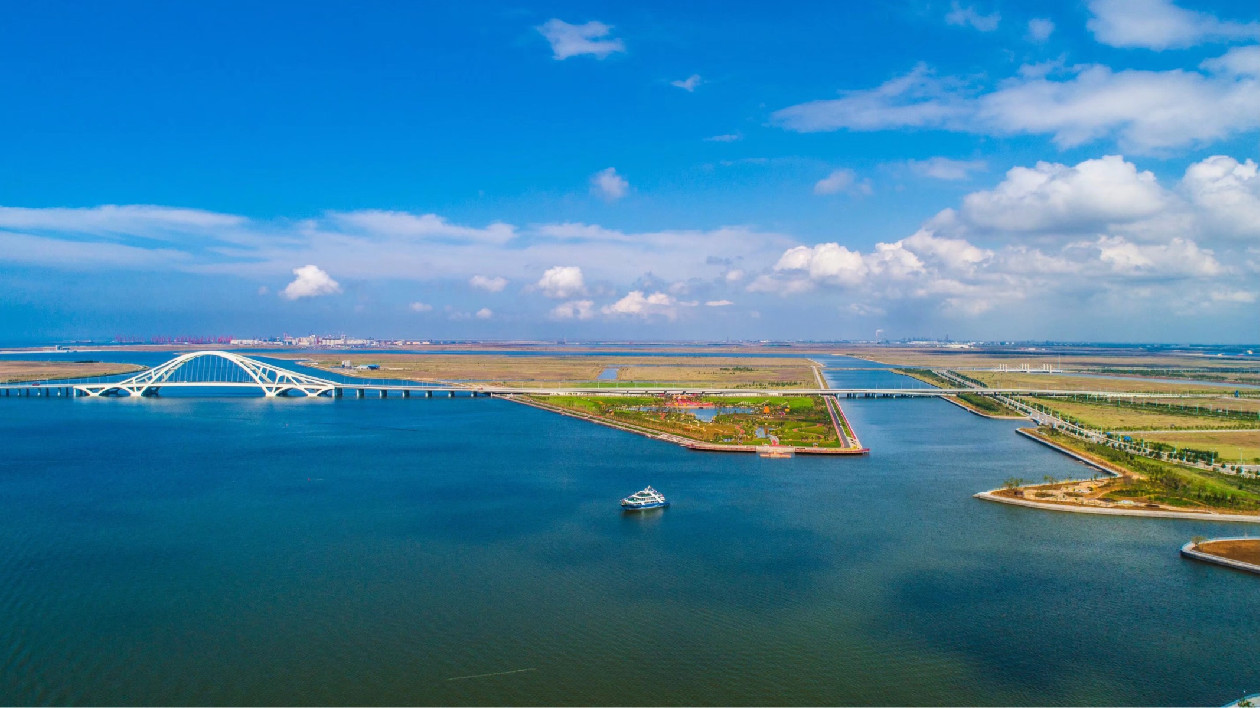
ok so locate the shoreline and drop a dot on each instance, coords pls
(1191, 551)
(994, 496)
(679, 440)
(1211, 516)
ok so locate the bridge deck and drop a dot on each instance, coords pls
(340, 389)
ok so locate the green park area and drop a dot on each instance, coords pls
(1160, 482)
(801, 421)
(1142, 483)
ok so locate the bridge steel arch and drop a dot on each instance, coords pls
(273, 380)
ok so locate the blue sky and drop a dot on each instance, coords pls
(663, 171)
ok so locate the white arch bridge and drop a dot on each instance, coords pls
(217, 370)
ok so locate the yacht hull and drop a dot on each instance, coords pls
(644, 507)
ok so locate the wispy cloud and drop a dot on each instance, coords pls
(401, 224)
(946, 169)
(968, 17)
(1145, 111)
(576, 40)
(842, 180)
(1160, 24)
(489, 284)
(688, 84)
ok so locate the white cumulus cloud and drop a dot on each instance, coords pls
(311, 281)
(1227, 194)
(609, 185)
(575, 40)
(636, 304)
(562, 282)
(1052, 196)
(420, 307)
(1177, 257)
(484, 313)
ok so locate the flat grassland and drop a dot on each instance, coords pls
(734, 372)
(943, 358)
(1247, 551)
(1231, 445)
(1218, 403)
(1173, 414)
(18, 371)
(544, 371)
(1067, 382)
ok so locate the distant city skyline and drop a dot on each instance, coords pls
(987, 170)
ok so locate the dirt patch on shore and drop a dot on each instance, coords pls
(1247, 551)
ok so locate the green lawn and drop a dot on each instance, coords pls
(1170, 483)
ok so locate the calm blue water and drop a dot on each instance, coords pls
(220, 551)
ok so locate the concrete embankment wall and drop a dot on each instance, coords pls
(1111, 511)
(1189, 551)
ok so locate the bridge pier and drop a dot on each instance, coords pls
(406, 393)
(450, 393)
(428, 394)
(384, 393)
